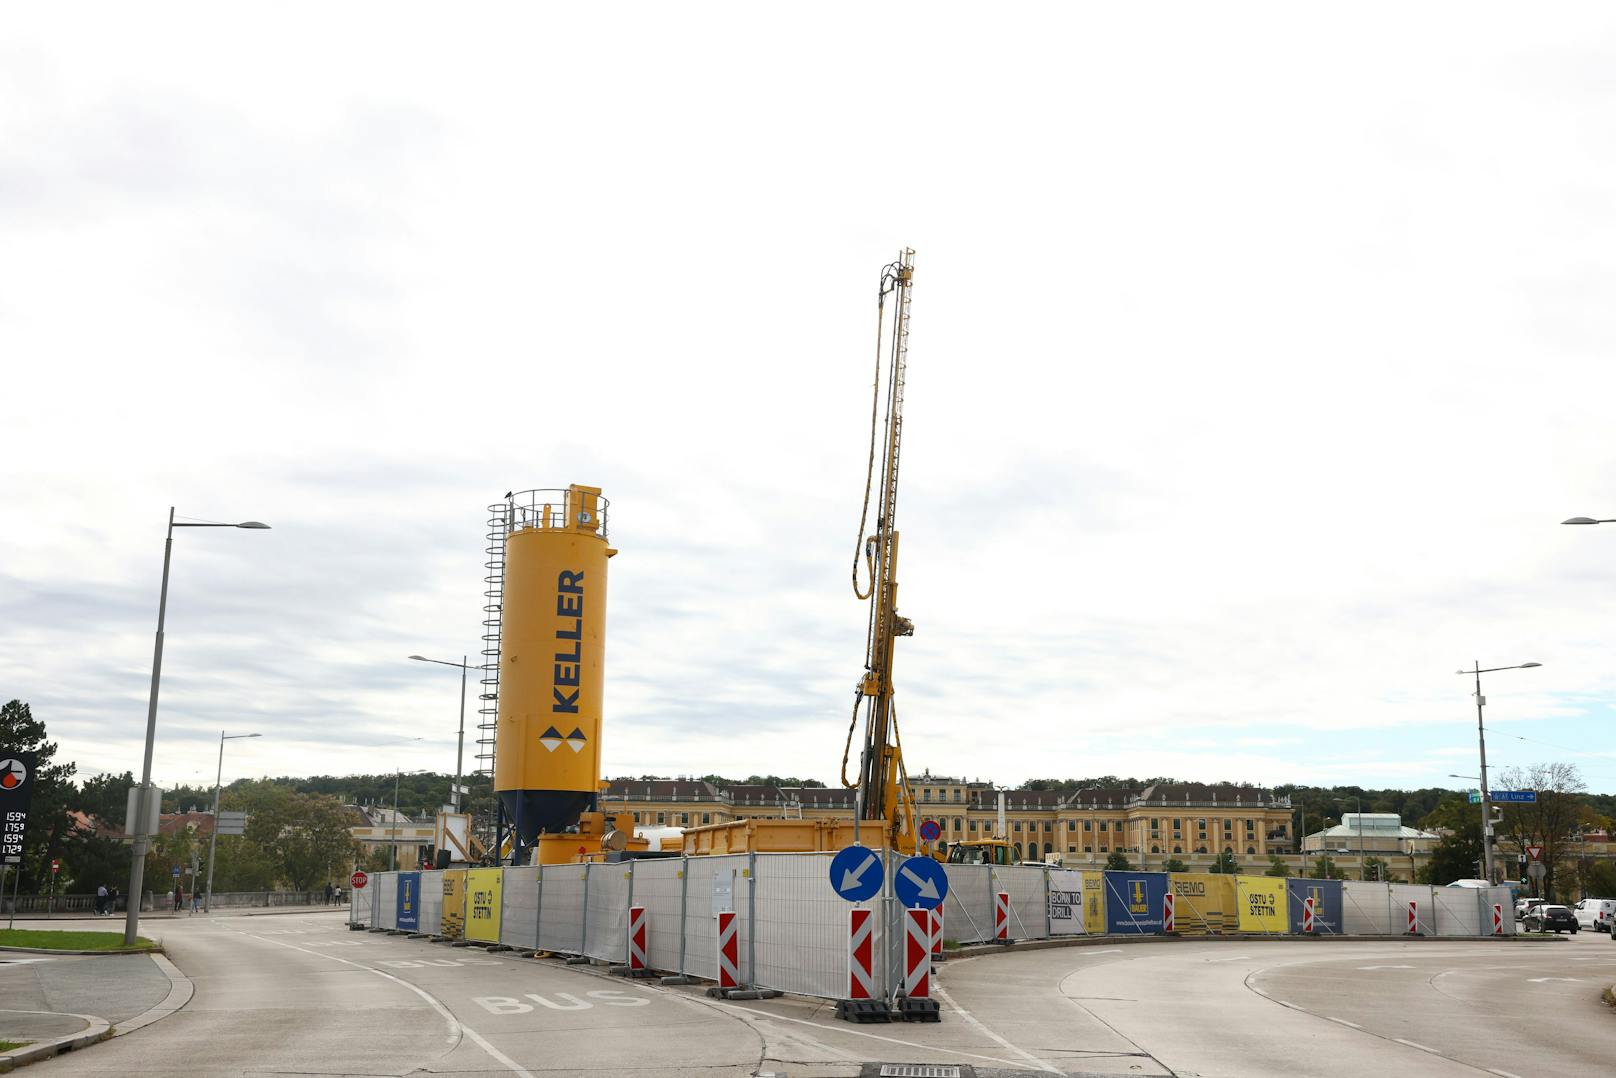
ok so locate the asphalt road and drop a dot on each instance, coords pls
(303, 995)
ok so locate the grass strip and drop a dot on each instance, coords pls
(68, 941)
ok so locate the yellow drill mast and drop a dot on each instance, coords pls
(883, 787)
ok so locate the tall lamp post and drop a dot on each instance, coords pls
(1481, 739)
(394, 838)
(460, 740)
(137, 865)
(213, 841)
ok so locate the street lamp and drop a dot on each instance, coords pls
(1363, 864)
(1481, 738)
(460, 740)
(137, 866)
(213, 842)
(393, 838)
(1589, 520)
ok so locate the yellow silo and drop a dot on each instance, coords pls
(552, 661)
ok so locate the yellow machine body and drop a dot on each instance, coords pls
(552, 668)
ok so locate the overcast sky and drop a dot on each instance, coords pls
(1256, 354)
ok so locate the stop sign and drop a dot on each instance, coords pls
(358, 879)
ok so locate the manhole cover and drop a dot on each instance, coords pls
(919, 1070)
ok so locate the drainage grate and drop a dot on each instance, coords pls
(919, 1070)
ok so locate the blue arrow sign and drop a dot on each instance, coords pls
(920, 881)
(1528, 797)
(855, 873)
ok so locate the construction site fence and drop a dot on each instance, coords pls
(792, 926)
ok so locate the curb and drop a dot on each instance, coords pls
(180, 991)
(155, 948)
(974, 949)
(99, 1030)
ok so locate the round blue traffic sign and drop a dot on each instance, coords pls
(920, 882)
(930, 830)
(855, 873)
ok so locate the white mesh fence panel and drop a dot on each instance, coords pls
(968, 909)
(431, 903)
(657, 886)
(1404, 893)
(561, 909)
(1025, 886)
(1366, 909)
(1456, 911)
(701, 938)
(606, 937)
(386, 884)
(362, 904)
(802, 926)
(519, 920)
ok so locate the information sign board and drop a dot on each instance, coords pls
(409, 901)
(16, 790)
(1065, 902)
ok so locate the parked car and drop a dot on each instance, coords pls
(1547, 918)
(1596, 913)
(1525, 905)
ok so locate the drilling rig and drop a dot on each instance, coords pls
(884, 794)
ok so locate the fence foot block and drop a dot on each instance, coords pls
(677, 978)
(919, 1010)
(863, 1011)
(578, 960)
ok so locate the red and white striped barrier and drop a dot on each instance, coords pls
(1001, 916)
(917, 953)
(636, 938)
(1498, 920)
(937, 932)
(729, 952)
(1307, 915)
(1167, 912)
(1413, 918)
(860, 954)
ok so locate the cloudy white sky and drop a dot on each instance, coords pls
(1256, 355)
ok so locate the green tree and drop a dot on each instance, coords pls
(1458, 855)
(303, 837)
(1559, 813)
(1277, 867)
(49, 825)
(98, 859)
(1325, 868)
(1376, 868)
(1117, 862)
(1225, 864)
(1173, 864)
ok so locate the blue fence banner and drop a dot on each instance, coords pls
(409, 901)
(1327, 896)
(1133, 902)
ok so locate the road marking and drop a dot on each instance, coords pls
(1502, 1074)
(1546, 980)
(1231, 958)
(1344, 1022)
(1384, 967)
(972, 1019)
(1421, 1047)
(456, 1027)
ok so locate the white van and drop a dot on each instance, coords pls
(1595, 913)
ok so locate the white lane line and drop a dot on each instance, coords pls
(1000, 1041)
(1421, 1047)
(1344, 1022)
(1502, 1074)
(1231, 958)
(456, 1027)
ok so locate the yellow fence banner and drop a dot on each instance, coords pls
(1263, 904)
(1203, 903)
(1094, 903)
(453, 921)
(483, 904)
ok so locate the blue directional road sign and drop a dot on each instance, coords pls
(930, 830)
(1499, 797)
(855, 872)
(921, 882)
(176, 871)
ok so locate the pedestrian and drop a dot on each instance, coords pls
(101, 901)
(330, 892)
(338, 896)
(179, 896)
(196, 900)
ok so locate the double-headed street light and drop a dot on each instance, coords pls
(1589, 520)
(213, 842)
(137, 866)
(460, 741)
(1481, 737)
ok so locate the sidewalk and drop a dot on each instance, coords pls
(39, 919)
(57, 1003)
